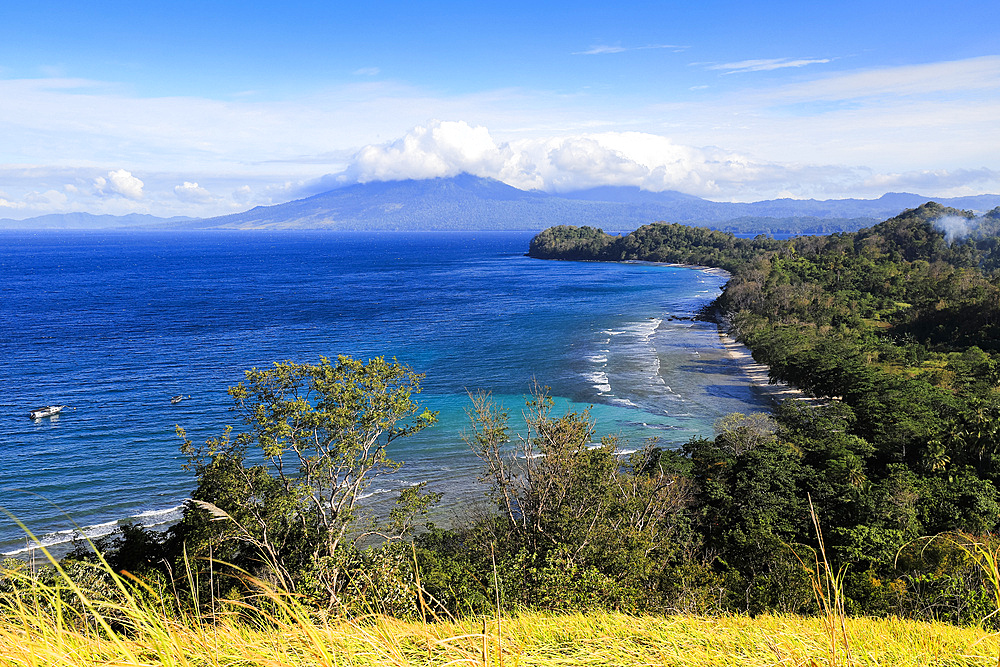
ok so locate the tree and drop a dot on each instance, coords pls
(320, 433)
(738, 433)
(547, 485)
(577, 523)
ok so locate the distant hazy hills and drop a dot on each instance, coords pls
(470, 203)
(91, 221)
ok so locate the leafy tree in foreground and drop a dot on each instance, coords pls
(320, 435)
(578, 526)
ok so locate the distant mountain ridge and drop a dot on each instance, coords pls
(468, 202)
(92, 221)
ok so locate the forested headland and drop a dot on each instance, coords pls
(887, 484)
(896, 327)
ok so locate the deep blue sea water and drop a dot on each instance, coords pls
(114, 324)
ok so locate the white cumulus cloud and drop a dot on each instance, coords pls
(936, 180)
(119, 182)
(557, 164)
(6, 203)
(192, 193)
(243, 194)
(649, 161)
(437, 150)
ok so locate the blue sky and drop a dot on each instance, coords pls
(203, 108)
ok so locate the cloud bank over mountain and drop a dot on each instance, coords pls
(154, 111)
(557, 164)
(648, 161)
(84, 145)
(439, 149)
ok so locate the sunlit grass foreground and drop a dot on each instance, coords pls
(133, 623)
(30, 638)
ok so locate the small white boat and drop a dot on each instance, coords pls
(46, 411)
(176, 399)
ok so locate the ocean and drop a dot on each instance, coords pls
(114, 324)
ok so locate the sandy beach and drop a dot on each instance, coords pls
(757, 374)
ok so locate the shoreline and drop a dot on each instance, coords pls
(711, 270)
(758, 375)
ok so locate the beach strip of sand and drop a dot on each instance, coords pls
(757, 375)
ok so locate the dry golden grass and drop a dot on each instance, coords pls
(61, 625)
(32, 639)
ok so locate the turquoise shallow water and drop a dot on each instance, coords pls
(114, 324)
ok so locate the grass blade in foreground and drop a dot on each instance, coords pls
(27, 638)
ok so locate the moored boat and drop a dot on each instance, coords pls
(46, 411)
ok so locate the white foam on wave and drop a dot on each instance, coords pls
(599, 380)
(630, 360)
(147, 519)
(623, 401)
(159, 517)
(644, 328)
(373, 492)
(47, 541)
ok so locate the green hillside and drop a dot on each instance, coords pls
(895, 328)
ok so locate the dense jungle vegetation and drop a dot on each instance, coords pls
(894, 327)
